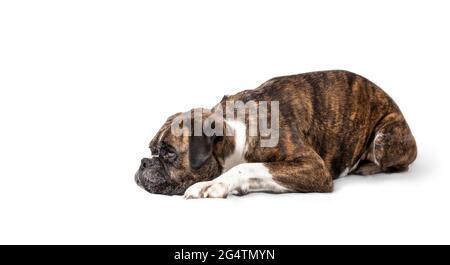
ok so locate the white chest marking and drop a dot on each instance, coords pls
(240, 139)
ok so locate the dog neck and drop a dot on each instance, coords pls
(231, 150)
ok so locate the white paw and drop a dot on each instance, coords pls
(207, 189)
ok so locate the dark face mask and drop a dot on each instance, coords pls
(153, 177)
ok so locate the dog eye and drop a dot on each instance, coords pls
(169, 155)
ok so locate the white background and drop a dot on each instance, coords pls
(86, 84)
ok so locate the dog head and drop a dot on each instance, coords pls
(179, 161)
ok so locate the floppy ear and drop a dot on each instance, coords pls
(201, 147)
(200, 150)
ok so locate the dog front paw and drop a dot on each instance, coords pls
(207, 189)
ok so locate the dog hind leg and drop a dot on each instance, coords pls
(392, 150)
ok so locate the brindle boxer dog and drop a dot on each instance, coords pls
(331, 124)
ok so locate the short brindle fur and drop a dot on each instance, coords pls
(332, 123)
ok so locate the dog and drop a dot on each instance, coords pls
(328, 124)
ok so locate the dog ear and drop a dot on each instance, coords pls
(201, 146)
(200, 150)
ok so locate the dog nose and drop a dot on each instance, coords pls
(145, 163)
